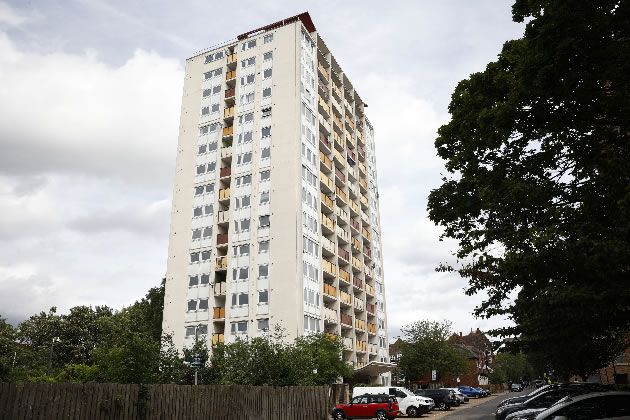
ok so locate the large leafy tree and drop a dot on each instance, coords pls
(426, 347)
(538, 191)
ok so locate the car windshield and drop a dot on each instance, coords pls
(406, 391)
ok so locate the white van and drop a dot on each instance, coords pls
(412, 405)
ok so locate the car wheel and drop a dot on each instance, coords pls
(339, 415)
(381, 415)
(413, 412)
(442, 406)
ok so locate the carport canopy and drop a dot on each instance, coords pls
(375, 369)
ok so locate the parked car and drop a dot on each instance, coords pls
(379, 406)
(516, 387)
(596, 405)
(458, 394)
(470, 391)
(543, 400)
(444, 398)
(539, 383)
(587, 386)
(410, 404)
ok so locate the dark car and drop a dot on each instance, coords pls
(596, 405)
(587, 386)
(444, 398)
(542, 400)
(367, 406)
(470, 391)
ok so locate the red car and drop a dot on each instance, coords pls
(368, 406)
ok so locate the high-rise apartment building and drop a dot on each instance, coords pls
(275, 216)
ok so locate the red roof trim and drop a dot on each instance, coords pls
(304, 17)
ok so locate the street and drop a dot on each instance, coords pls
(483, 411)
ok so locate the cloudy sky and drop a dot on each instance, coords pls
(90, 93)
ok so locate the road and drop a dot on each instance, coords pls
(483, 411)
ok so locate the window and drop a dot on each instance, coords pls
(239, 327)
(267, 56)
(243, 201)
(267, 73)
(240, 299)
(264, 197)
(193, 281)
(212, 73)
(263, 324)
(263, 297)
(211, 128)
(209, 188)
(211, 167)
(263, 247)
(198, 211)
(266, 112)
(208, 209)
(248, 62)
(212, 147)
(265, 153)
(247, 45)
(244, 158)
(190, 331)
(247, 99)
(205, 279)
(245, 137)
(205, 110)
(207, 232)
(201, 169)
(196, 234)
(266, 92)
(241, 250)
(192, 305)
(205, 255)
(240, 273)
(194, 257)
(213, 57)
(216, 89)
(203, 304)
(206, 93)
(215, 108)
(202, 329)
(263, 271)
(310, 247)
(268, 38)
(266, 131)
(264, 221)
(243, 180)
(199, 190)
(242, 119)
(241, 226)
(311, 325)
(202, 149)
(265, 176)
(246, 80)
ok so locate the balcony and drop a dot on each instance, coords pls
(361, 346)
(347, 320)
(347, 341)
(366, 234)
(330, 290)
(356, 264)
(344, 275)
(228, 131)
(220, 288)
(327, 203)
(357, 283)
(359, 306)
(370, 291)
(217, 338)
(349, 121)
(357, 228)
(232, 58)
(353, 173)
(367, 252)
(362, 170)
(364, 202)
(342, 216)
(223, 217)
(356, 246)
(324, 126)
(325, 163)
(365, 219)
(322, 72)
(345, 256)
(340, 178)
(332, 336)
(371, 329)
(363, 185)
(228, 113)
(352, 158)
(219, 313)
(230, 76)
(327, 185)
(325, 143)
(328, 226)
(225, 172)
(344, 236)
(329, 268)
(360, 138)
(339, 144)
(337, 91)
(324, 109)
(337, 124)
(323, 88)
(358, 323)
(369, 272)
(373, 348)
(224, 194)
(339, 159)
(328, 247)
(353, 190)
(341, 196)
(226, 152)
(222, 263)
(361, 153)
(345, 299)
(330, 316)
(222, 239)
(354, 209)
(370, 307)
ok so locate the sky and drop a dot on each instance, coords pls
(90, 96)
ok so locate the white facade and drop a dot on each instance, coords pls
(275, 208)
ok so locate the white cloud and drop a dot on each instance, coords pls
(10, 16)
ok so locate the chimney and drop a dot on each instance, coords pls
(460, 333)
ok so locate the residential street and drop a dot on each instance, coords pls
(483, 411)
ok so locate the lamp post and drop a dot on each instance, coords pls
(52, 345)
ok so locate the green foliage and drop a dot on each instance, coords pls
(510, 367)
(538, 196)
(426, 347)
(80, 373)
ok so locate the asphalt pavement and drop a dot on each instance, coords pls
(483, 411)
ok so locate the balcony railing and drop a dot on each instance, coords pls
(356, 263)
(324, 105)
(219, 313)
(371, 328)
(370, 291)
(228, 131)
(341, 194)
(217, 338)
(369, 271)
(230, 93)
(331, 315)
(362, 168)
(357, 282)
(342, 234)
(345, 255)
(345, 298)
(361, 153)
(355, 207)
(337, 91)
(323, 70)
(323, 87)
(228, 112)
(364, 200)
(220, 288)
(359, 323)
(343, 274)
(330, 290)
(222, 238)
(327, 222)
(346, 319)
(325, 140)
(355, 225)
(372, 348)
(366, 234)
(324, 159)
(227, 171)
(342, 215)
(370, 307)
(340, 175)
(363, 183)
(356, 244)
(349, 121)
(347, 341)
(361, 346)
(367, 251)
(328, 245)
(230, 75)
(223, 217)
(224, 194)
(222, 263)
(338, 141)
(330, 268)
(327, 201)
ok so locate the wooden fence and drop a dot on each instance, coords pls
(53, 401)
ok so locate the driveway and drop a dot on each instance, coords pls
(481, 409)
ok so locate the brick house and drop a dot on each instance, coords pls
(618, 372)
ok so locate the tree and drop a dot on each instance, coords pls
(8, 348)
(538, 196)
(426, 347)
(510, 367)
